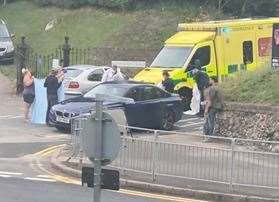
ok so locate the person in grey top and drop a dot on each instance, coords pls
(28, 92)
(214, 104)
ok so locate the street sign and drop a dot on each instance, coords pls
(101, 142)
(275, 47)
(109, 178)
(131, 64)
(111, 140)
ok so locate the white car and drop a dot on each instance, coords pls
(79, 79)
(6, 44)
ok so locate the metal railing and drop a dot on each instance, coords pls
(228, 161)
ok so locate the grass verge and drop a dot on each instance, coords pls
(259, 87)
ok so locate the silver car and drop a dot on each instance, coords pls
(79, 79)
(6, 44)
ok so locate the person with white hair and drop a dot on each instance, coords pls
(113, 74)
(28, 92)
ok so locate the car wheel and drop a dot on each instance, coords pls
(62, 129)
(167, 120)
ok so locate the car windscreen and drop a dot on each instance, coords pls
(108, 89)
(4, 32)
(172, 57)
(72, 73)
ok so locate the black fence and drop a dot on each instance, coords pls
(41, 64)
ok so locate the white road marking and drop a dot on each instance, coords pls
(10, 117)
(6, 116)
(5, 176)
(44, 176)
(39, 179)
(188, 119)
(190, 124)
(10, 173)
(15, 117)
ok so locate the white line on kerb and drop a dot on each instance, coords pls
(5, 176)
(39, 179)
(10, 173)
(44, 176)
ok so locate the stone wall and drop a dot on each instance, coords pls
(249, 121)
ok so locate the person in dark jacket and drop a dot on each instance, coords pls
(167, 82)
(202, 80)
(52, 84)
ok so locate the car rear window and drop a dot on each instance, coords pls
(72, 73)
(107, 89)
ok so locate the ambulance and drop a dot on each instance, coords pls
(222, 48)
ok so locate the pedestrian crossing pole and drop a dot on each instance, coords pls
(98, 150)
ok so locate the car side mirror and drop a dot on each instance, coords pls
(13, 36)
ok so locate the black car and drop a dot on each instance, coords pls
(152, 108)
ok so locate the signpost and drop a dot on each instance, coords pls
(97, 157)
(275, 47)
(101, 142)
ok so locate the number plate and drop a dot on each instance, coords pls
(62, 119)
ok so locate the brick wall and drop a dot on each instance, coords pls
(249, 121)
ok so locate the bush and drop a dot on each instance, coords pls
(78, 3)
(245, 8)
(239, 8)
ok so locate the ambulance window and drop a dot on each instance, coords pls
(203, 55)
(247, 52)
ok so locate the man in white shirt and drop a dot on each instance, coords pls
(112, 74)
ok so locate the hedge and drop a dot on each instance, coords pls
(79, 3)
(235, 7)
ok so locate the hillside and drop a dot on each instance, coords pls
(253, 87)
(96, 27)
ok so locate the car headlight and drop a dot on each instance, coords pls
(74, 114)
(52, 111)
(10, 48)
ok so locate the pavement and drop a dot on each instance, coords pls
(26, 174)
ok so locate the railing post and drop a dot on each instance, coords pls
(66, 52)
(155, 155)
(21, 63)
(232, 164)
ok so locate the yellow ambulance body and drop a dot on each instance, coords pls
(223, 48)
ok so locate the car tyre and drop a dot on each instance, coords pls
(62, 129)
(168, 120)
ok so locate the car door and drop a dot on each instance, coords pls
(147, 107)
(132, 112)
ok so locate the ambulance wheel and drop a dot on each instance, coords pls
(186, 95)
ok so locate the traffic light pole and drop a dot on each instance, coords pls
(98, 147)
